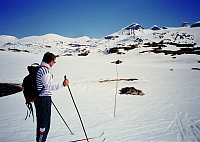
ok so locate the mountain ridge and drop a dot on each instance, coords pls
(134, 34)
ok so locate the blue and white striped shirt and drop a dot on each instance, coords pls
(44, 78)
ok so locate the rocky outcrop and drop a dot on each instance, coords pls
(130, 29)
(155, 28)
(197, 24)
(185, 24)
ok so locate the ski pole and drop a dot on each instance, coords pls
(62, 117)
(77, 110)
(116, 93)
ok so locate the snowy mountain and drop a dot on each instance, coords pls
(129, 30)
(6, 39)
(33, 44)
(133, 34)
(163, 65)
(197, 24)
(185, 24)
(155, 28)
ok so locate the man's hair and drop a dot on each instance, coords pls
(48, 57)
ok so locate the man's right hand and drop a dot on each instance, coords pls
(66, 82)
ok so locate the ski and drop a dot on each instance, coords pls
(88, 138)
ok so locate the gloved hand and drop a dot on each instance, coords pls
(66, 82)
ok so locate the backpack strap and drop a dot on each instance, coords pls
(44, 66)
(29, 110)
(35, 64)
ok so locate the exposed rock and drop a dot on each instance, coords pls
(189, 50)
(155, 28)
(196, 69)
(116, 49)
(197, 24)
(131, 91)
(185, 24)
(84, 53)
(18, 50)
(117, 62)
(134, 26)
(109, 80)
(9, 88)
(111, 37)
(130, 29)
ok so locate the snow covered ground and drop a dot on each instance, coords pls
(169, 110)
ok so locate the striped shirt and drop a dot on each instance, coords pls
(45, 81)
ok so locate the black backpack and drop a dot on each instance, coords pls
(30, 87)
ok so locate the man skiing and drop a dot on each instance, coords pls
(45, 83)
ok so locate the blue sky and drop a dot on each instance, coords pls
(92, 18)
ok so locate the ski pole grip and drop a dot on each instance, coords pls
(65, 77)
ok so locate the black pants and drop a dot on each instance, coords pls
(43, 114)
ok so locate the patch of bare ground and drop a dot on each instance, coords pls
(18, 50)
(131, 91)
(116, 49)
(187, 48)
(196, 69)
(9, 88)
(109, 80)
(67, 55)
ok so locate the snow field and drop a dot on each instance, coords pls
(169, 110)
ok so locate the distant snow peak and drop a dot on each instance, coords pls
(196, 24)
(134, 26)
(52, 35)
(130, 29)
(84, 38)
(155, 28)
(185, 24)
(7, 37)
